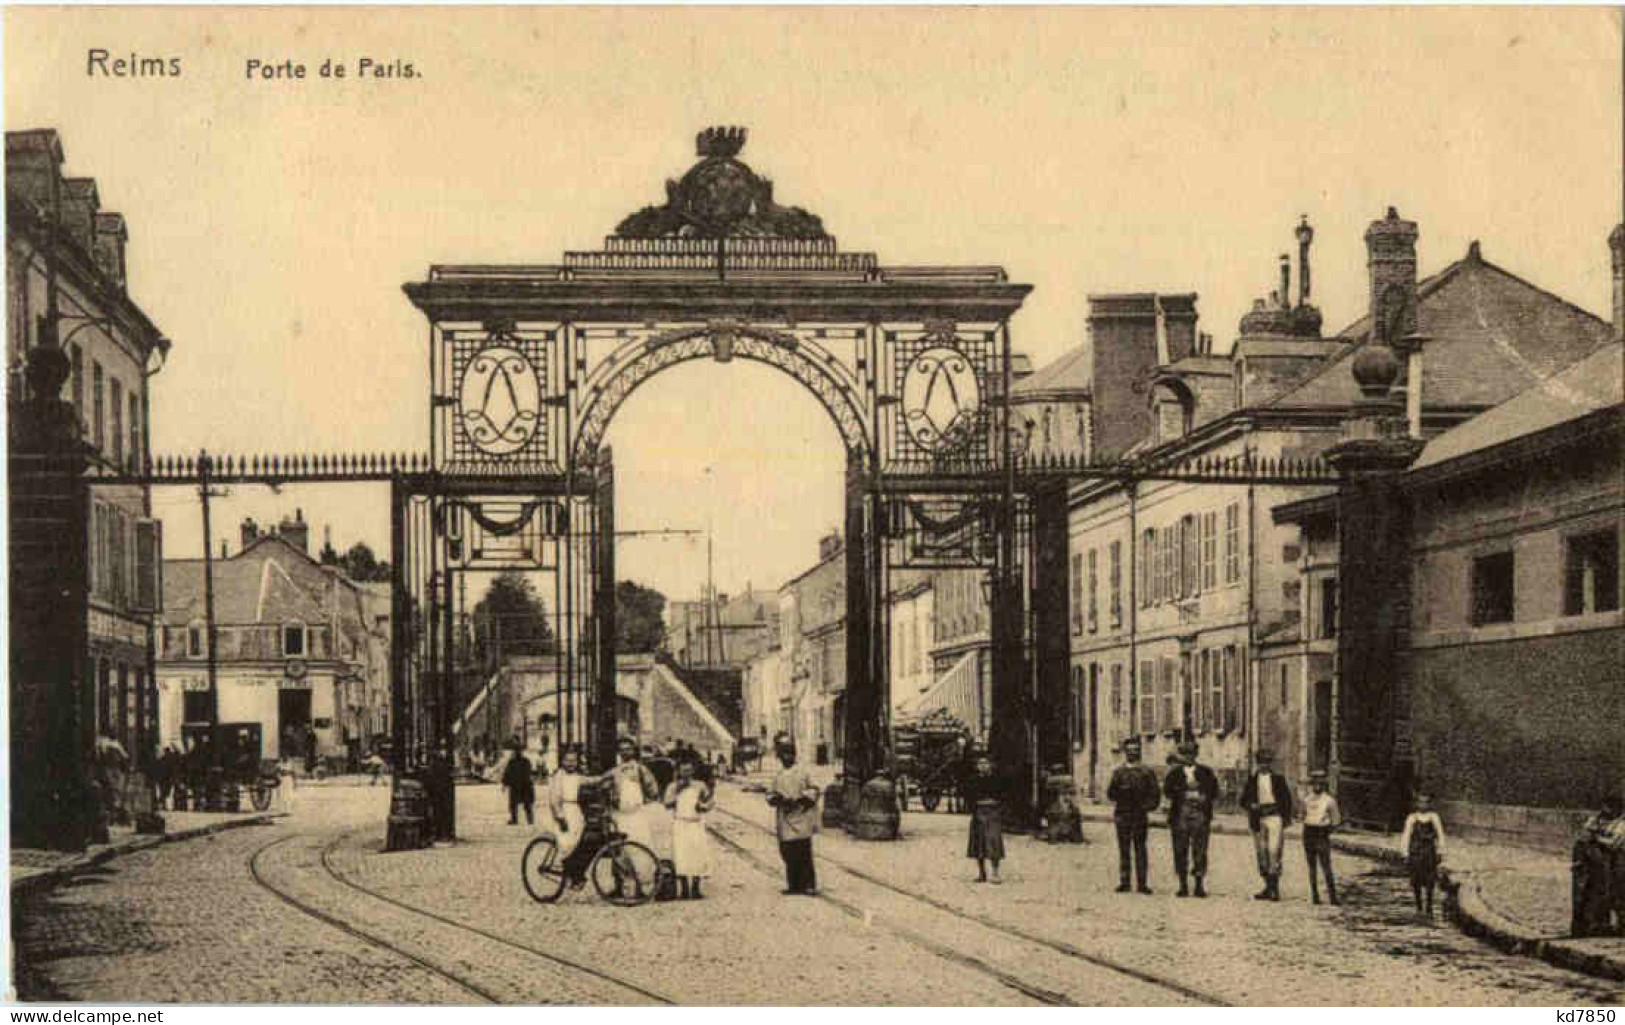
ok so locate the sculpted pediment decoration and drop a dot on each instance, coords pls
(721, 197)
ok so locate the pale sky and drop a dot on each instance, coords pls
(273, 223)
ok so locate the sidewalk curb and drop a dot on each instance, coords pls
(1466, 906)
(53, 877)
(1475, 917)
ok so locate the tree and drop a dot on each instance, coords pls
(359, 563)
(510, 620)
(640, 624)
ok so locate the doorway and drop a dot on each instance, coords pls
(293, 732)
(1322, 744)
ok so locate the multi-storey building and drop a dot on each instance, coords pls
(910, 615)
(763, 691)
(729, 630)
(295, 649)
(1181, 592)
(1508, 699)
(67, 285)
(812, 641)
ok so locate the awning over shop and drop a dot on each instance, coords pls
(957, 692)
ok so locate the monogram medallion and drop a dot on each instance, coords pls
(499, 401)
(941, 399)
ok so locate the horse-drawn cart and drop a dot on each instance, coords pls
(928, 757)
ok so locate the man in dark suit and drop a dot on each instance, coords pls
(1192, 790)
(1268, 804)
(1133, 790)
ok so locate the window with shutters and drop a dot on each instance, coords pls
(1142, 575)
(1328, 607)
(1215, 693)
(1591, 572)
(1170, 562)
(1492, 588)
(118, 562)
(196, 632)
(1210, 550)
(98, 412)
(134, 455)
(1167, 694)
(1188, 556)
(1198, 690)
(1148, 698)
(1094, 591)
(116, 400)
(1079, 690)
(1117, 584)
(294, 639)
(76, 359)
(1159, 567)
(1077, 593)
(1232, 543)
(1117, 693)
(1232, 689)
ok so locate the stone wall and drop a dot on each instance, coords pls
(1538, 721)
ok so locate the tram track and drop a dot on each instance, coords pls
(1028, 989)
(1058, 946)
(555, 959)
(310, 910)
(520, 978)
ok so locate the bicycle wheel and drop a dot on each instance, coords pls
(542, 870)
(626, 873)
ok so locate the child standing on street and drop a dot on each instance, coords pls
(984, 793)
(689, 799)
(1423, 844)
(1320, 817)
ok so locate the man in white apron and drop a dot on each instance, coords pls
(634, 787)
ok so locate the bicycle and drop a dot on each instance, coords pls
(623, 872)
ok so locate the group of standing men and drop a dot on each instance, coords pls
(1192, 791)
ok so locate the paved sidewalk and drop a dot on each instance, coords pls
(33, 869)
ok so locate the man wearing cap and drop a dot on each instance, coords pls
(1192, 790)
(794, 798)
(1134, 792)
(1268, 804)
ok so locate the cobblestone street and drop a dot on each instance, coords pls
(308, 910)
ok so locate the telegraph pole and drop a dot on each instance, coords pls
(212, 795)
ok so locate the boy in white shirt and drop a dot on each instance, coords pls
(1320, 817)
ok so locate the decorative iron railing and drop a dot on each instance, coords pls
(281, 467)
(1238, 469)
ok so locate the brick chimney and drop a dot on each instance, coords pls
(111, 236)
(250, 531)
(33, 159)
(296, 531)
(1391, 258)
(1130, 334)
(1616, 246)
(80, 203)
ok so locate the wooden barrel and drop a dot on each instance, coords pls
(877, 817)
(408, 818)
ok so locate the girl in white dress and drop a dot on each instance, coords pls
(689, 799)
(564, 804)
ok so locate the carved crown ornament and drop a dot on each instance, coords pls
(721, 197)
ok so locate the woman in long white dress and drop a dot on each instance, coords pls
(564, 805)
(689, 799)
